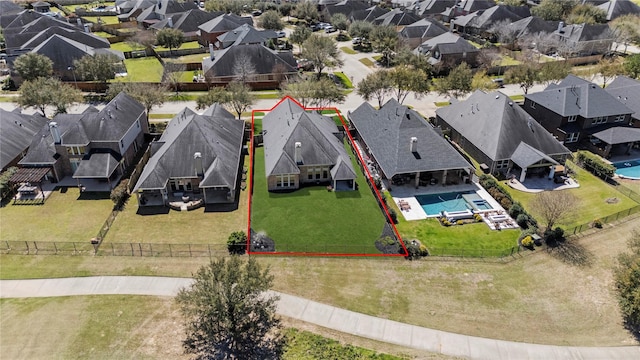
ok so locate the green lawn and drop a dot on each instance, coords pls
(102, 34)
(312, 219)
(367, 62)
(187, 76)
(193, 58)
(348, 50)
(592, 195)
(186, 45)
(508, 60)
(161, 116)
(107, 20)
(125, 46)
(65, 216)
(146, 69)
(345, 79)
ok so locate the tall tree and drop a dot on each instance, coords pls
(625, 30)
(228, 314)
(384, 39)
(42, 92)
(361, 29)
(553, 71)
(142, 38)
(609, 69)
(215, 95)
(626, 276)
(587, 13)
(525, 75)
(173, 75)
(632, 66)
(322, 52)
(170, 38)
(244, 69)
(228, 6)
(375, 85)
(32, 65)
(299, 35)
(340, 22)
(307, 11)
(481, 81)
(270, 20)
(457, 83)
(554, 206)
(404, 79)
(240, 97)
(505, 34)
(554, 10)
(148, 94)
(99, 67)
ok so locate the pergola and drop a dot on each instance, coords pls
(30, 180)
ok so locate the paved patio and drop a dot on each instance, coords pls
(536, 185)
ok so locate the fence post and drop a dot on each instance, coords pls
(151, 250)
(140, 247)
(190, 254)
(209, 247)
(55, 247)
(170, 252)
(8, 247)
(27, 245)
(75, 250)
(35, 245)
(132, 253)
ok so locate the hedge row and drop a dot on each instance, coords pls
(595, 164)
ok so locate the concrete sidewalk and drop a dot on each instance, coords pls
(350, 322)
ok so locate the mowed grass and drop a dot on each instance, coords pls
(592, 195)
(125, 46)
(178, 227)
(312, 219)
(107, 20)
(183, 46)
(65, 216)
(348, 50)
(368, 62)
(146, 69)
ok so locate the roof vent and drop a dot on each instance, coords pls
(413, 144)
(297, 152)
(510, 103)
(109, 113)
(497, 96)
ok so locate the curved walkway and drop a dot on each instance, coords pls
(411, 336)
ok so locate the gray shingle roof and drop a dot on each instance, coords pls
(585, 32)
(424, 28)
(16, 133)
(486, 18)
(619, 135)
(533, 25)
(289, 123)
(497, 126)
(63, 51)
(216, 135)
(525, 155)
(396, 17)
(187, 22)
(31, 40)
(263, 58)
(576, 96)
(627, 91)
(387, 133)
(225, 22)
(617, 8)
(431, 7)
(447, 43)
(98, 165)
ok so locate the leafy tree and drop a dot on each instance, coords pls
(315, 93)
(384, 39)
(481, 81)
(404, 79)
(404, 56)
(100, 67)
(554, 206)
(361, 29)
(228, 314)
(270, 20)
(170, 38)
(554, 71)
(306, 10)
(5, 187)
(299, 35)
(627, 282)
(505, 34)
(322, 52)
(228, 6)
(457, 83)
(237, 243)
(215, 95)
(340, 22)
(513, 2)
(285, 9)
(587, 13)
(32, 65)
(42, 92)
(525, 75)
(375, 85)
(147, 94)
(240, 97)
(625, 30)
(609, 69)
(554, 10)
(632, 66)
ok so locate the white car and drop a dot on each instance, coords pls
(281, 34)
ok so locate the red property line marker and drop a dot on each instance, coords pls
(367, 173)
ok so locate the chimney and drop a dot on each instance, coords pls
(86, 28)
(79, 21)
(170, 22)
(211, 52)
(561, 27)
(55, 132)
(297, 153)
(413, 144)
(197, 164)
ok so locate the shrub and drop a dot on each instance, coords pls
(555, 235)
(5, 188)
(445, 222)
(237, 243)
(477, 217)
(393, 215)
(506, 203)
(120, 195)
(515, 210)
(413, 251)
(423, 250)
(459, 222)
(527, 241)
(597, 223)
(523, 220)
(378, 183)
(595, 164)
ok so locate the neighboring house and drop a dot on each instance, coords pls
(303, 147)
(617, 8)
(627, 91)
(16, 132)
(501, 136)
(396, 17)
(480, 22)
(448, 50)
(94, 147)
(26, 42)
(431, 8)
(575, 110)
(245, 35)
(466, 7)
(8, 8)
(345, 7)
(130, 9)
(188, 22)
(421, 31)
(266, 68)
(404, 145)
(533, 25)
(197, 156)
(584, 39)
(369, 14)
(21, 27)
(209, 31)
(162, 10)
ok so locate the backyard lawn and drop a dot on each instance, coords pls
(125, 46)
(146, 69)
(107, 20)
(592, 195)
(186, 45)
(65, 216)
(312, 219)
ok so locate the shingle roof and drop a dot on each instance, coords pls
(525, 155)
(63, 51)
(225, 22)
(387, 133)
(494, 15)
(619, 135)
(263, 58)
(585, 32)
(617, 8)
(9, 7)
(164, 7)
(448, 43)
(246, 34)
(533, 25)
(288, 124)
(368, 14)
(627, 91)
(431, 7)
(216, 135)
(188, 21)
(396, 17)
(576, 96)
(423, 28)
(31, 40)
(497, 126)
(16, 133)
(98, 165)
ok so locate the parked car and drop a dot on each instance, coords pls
(324, 25)
(356, 41)
(304, 65)
(315, 27)
(281, 34)
(256, 13)
(330, 29)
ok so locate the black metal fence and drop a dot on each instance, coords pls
(605, 220)
(161, 250)
(47, 247)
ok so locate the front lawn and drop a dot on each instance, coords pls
(312, 219)
(65, 216)
(147, 69)
(592, 195)
(348, 50)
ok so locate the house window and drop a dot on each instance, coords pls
(501, 164)
(572, 118)
(620, 118)
(74, 164)
(571, 138)
(75, 150)
(599, 120)
(286, 180)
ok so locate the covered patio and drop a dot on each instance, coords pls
(618, 140)
(532, 161)
(101, 167)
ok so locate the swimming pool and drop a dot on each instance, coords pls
(477, 202)
(629, 169)
(434, 204)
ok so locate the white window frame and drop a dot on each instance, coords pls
(572, 137)
(75, 150)
(287, 179)
(501, 164)
(599, 120)
(620, 118)
(572, 118)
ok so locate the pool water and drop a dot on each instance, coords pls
(628, 169)
(477, 202)
(434, 204)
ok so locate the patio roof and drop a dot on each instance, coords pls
(99, 165)
(619, 135)
(525, 156)
(30, 175)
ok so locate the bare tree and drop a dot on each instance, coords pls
(173, 75)
(507, 35)
(243, 68)
(554, 206)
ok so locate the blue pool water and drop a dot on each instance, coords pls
(629, 169)
(433, 204)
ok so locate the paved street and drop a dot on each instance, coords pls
(351, 322)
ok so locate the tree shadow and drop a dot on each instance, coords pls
(570, 252)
